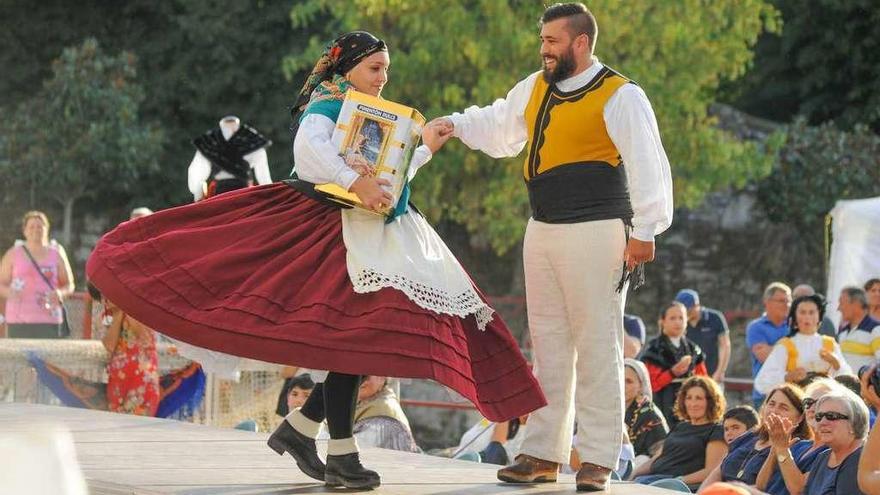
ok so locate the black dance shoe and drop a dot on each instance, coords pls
(300, 447)
(346, 470)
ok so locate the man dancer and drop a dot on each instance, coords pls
(583, 122)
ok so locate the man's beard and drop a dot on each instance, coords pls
(565, 66)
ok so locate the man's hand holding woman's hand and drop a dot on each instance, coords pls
(436, 133)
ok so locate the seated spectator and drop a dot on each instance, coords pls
(645, 425)
(294, 393)
(852, 383)
(762, 333)
(379, 420)
(849, 381)
(872, 290)
(804, 351)
(134, 385)
(793, 465)
(869, 464)
(748, 453)
(695, 446)
(494, 443)
(842, 420)
(671, 358)
(635, 335)
(860, 334)
(738, 421)
(826, 327)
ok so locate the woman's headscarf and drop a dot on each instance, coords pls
(642, 371)
(339, 57)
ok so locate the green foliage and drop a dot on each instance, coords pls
(816, 167)
(825, 65)
(198, 60)
(80, 136)
(448, 55)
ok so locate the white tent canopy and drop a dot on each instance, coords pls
(855, 248)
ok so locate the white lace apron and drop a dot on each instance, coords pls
(409, 256)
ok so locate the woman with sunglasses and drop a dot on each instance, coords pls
(804, 351)
(790, 460)
(842, 420)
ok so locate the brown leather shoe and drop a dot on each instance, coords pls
(593, 478)
(528, 469)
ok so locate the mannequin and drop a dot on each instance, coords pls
(229, 157)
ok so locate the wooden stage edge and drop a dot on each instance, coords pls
(122, 454)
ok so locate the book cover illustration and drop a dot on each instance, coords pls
(375, 137)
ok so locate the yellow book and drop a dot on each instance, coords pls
(379, 134)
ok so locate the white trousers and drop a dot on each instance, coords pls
(576, 324)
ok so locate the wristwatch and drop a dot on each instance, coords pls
(781, 458)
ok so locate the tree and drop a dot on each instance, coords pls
(448, 55)
(81, 136)
(823, 65)
(817, 166)
(198, 60)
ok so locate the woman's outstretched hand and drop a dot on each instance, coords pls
(370, 192)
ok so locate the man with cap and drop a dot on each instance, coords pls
(707, 328)
(635, 335)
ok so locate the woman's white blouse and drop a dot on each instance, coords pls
(773, 371)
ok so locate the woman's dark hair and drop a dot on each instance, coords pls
(744, 414)
(665, 309)
(715, 402)
(816, 299)
(795, 395)
(871, 283)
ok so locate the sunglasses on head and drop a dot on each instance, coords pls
(807, 402)
(830, 416)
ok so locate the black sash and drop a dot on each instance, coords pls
(229, 155)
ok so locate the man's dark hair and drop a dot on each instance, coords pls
(744, 414)
(303, 382)
(580, 19)
(851, 382)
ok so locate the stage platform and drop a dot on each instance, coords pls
(122, 454)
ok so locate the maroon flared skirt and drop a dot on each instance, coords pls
(261, 273)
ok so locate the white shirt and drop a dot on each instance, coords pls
(200, 170)
(500, 130)
(773, 371)
(317, 158)
(406, 254)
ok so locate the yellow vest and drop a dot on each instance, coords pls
(573, 169)
(827, 344)
(571, 126)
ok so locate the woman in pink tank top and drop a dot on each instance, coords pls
(33, 308)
